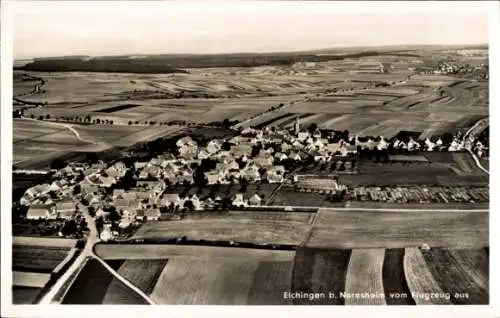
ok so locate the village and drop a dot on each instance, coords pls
(120, 197)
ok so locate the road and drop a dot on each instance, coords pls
(87, 253)
(469, 137)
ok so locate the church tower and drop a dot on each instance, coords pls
(297, 126)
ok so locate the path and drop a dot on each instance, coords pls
(67, 126)
(469, 137)
(65, 281)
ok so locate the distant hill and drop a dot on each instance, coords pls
(176, 63)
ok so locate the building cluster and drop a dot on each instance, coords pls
(418, 194)
(455, 68)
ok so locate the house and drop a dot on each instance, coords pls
(255, 200)
(279, 156)
(112, 172)
(203, 154)
(251, 173)
(153, 214)
(140, 165)
(25, 200)
(86, 189)
(264, 161)
(212, 176)
(317, 133)
(106, 182)
(101, 213)
(196, 202)
(241, 150)
(214, 146)
(238, 201)
(303, 135)
(171, 198)
(276, 174)
(140, 214)
(185, 141)
(39, 212)
(65, 206)
(106, 234)
(295, 156)
(188, 151)
(67, 215)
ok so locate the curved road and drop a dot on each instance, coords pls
(67, 126)
(469, 138)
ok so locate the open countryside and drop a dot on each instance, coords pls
(331, 177)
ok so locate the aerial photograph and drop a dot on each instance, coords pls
(168, 154)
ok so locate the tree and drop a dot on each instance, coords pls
(40, 117)
(243, 185)
(77, 189)
(111, 122)
(69, 228)
(188, 204)
(312, 127)
(226, 123)
(32, 116)
(98, 121)
(57, 164)
(129, 122)
(114, 216)
(47, 116)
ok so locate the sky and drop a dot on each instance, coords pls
(56, 28)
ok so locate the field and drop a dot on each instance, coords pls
(221, 228)
(425, 168)
(399, 229)
(34, 259)
(205, 275)
(39, 259)
(39, 142)
(96, 285)
(364, 274)
(336, 94)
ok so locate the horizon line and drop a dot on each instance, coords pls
(260, 52)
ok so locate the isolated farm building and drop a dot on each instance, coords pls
(153, 214)
(255, 200)
(238, 201)
(39, 212)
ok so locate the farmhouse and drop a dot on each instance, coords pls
(255, 200)
(65, 206)
(171, 198)
(276, 174)
(38, 212)
(238, 201)
(153, 214)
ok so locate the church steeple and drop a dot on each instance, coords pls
(297, 126)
